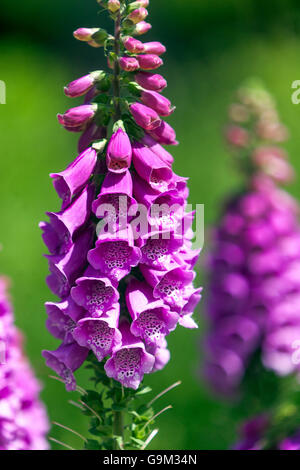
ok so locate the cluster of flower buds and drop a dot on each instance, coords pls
(121, 257)
(258, 143)
(23, 419)
(254, 436)
(255, 262)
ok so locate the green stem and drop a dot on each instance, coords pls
(116, 82)
(118, 426)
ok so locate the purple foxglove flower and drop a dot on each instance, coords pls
(162, 153)
(115, 254)
(119, 152)
(223, 369)
(150, 167)
(115, 198)
(291, 443)
(82, 85)
(129, 361)
(165, 210)
(149, 61)
(85, 34)
(186, 321)
(66, 268)
(145, 117)
(65, 360)
(164, 134)
(101, 335)
(95, 293)
(180, 184)
(254, 284)
(273, 164)
(143, 227)
(67, 222)
(133, 45)
(50, 238)
(162, 357)
(76, 129)
(70, 181)
(236, 136)
(79, 116)
(23, 419)
(151, 81)
(62, 319)
(252, 433)
(152, 321)
(159, 252)
(279, 351)
(154, 48)
(156, 101)
(192, 297)
(129, 64)
(238, 334)
(169, 285)
(188, 256)
(167, 213)
(91, 133)
(138, 15)
(142, 28)
(91, 94)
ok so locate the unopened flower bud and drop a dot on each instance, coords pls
(142, 28)
(129, 64)
(113, 5)
(133, 45)
(138, 15)
(164, 134)
(94, 44)
(119, 151)
(156, 101)
(82, 85)
(154, 48)
(84, 34)
(151, 81)
(79, 116)
(272, 161)
(139, 4)
(237, 136)
(269, 130)
(149, 61)
(145, 117)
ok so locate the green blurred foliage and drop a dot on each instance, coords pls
(214, 46)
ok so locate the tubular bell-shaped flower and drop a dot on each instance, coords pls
(23, 419)
(120, 248)
(255, 261)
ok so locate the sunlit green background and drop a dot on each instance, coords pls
(213, 46)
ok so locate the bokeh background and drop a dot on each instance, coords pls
(213, 45)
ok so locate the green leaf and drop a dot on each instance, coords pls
(91, 444)
(138, 442)
(100, 431)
